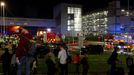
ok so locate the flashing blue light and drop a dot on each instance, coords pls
(118, 28)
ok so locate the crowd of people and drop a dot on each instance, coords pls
(12, 62)
(24, 50)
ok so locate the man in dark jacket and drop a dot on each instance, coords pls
(130, 65)
(112, 61)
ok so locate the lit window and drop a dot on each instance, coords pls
(68, 28)
(105, 12)
(68, 22)
(71, 22)
(68, 10)
(122, 10)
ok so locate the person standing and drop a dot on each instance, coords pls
(85, 64)
(51, 63)
(22, 56)
(62, 56)
(130, 65)
(6, 59)
(34, 66)
(76, 61)
(113, 60)
(13, 64)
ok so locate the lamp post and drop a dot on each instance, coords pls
(128, 24)
(2, 4)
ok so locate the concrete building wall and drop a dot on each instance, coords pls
(61, 11)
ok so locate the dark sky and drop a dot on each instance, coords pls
(44, 8)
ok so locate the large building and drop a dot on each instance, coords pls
(95, 23)
(113, 19)
(68, 18)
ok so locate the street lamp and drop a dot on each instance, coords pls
(128, 24)
(2, 4)
(48, 29)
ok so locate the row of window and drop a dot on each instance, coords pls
(74, 19)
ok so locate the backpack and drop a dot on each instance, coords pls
(69, 59)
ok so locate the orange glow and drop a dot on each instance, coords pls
(13, 28)
(24, 31)
(54, 39)
(121, 40)
(128, 46)
(41, 32)
(17, 27)
(125, 46)
(115, 40)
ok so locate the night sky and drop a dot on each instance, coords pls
(44, 8)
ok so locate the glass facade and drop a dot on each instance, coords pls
(95, 23)
(74, 19)
(100, 22)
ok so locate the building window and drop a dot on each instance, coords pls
(70, 16)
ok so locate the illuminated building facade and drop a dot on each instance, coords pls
(95, 23)
(68, 19)
(113, 19)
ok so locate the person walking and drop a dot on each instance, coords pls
(6, 59)
(76, 61)
(62, 56)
